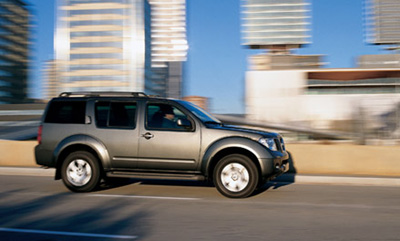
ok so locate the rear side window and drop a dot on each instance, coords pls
(66, 112)
(116, 114)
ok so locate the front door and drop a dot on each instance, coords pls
(165, 144)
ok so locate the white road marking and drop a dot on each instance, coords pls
(92, 235)
(145, 197)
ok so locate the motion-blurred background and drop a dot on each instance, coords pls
(311, 69)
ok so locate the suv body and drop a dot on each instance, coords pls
(95, 135)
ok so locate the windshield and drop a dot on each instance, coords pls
(203, 115)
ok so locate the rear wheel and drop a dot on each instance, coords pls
(80, 172)
(236, 176)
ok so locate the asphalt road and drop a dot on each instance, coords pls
(41, 209)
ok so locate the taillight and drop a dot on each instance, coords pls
(39, 135)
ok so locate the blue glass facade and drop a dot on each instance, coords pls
(14, 46)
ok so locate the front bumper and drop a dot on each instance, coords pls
(282, 167)
(277, 166)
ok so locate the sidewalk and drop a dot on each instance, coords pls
(339, 180)
(286, 178)
(27, 171)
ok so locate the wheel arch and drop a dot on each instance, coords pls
(228, 151)
(234, 145)
(81, 143)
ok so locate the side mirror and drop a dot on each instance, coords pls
(184, 123)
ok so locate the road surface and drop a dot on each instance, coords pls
(41, 209)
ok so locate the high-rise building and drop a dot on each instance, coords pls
(275, 25)
(383, 21)
(14, 48)
(104, 45)
(168, 31)
(281, 62)
(51, 84)
(379, 61)
(169, 44)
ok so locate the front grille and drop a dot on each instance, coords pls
(280, 144)
(283, 148)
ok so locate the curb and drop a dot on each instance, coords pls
(339, 180)
(286, 178)
(27, 171)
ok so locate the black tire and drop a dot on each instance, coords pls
(236, 176)
(80, 172)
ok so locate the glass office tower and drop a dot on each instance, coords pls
(103, 45)
(169, 44)
(14, 48)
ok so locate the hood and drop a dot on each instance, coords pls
(243, 130)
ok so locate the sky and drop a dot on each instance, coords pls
(217, 62)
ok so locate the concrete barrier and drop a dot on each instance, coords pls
(319, 159)
(17, 153)
(345, 159)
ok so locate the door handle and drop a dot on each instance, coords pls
(148, 135)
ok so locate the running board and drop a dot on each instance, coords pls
(158, 176)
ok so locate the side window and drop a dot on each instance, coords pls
(102, 110)
(115, 114)
(165, 116)
(66, 112)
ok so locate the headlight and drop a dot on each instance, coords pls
(269, 143)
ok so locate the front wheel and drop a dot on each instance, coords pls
(80, 172)
(236, 176)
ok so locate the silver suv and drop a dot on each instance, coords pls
(91, 136)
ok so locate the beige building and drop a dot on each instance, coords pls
(326, 98)
(282, 62)
(200, 101)
(51, 84)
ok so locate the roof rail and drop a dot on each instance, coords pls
(104, 94)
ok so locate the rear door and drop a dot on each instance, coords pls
(115, 125)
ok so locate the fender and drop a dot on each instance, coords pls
(264, 157)
(84, 140)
